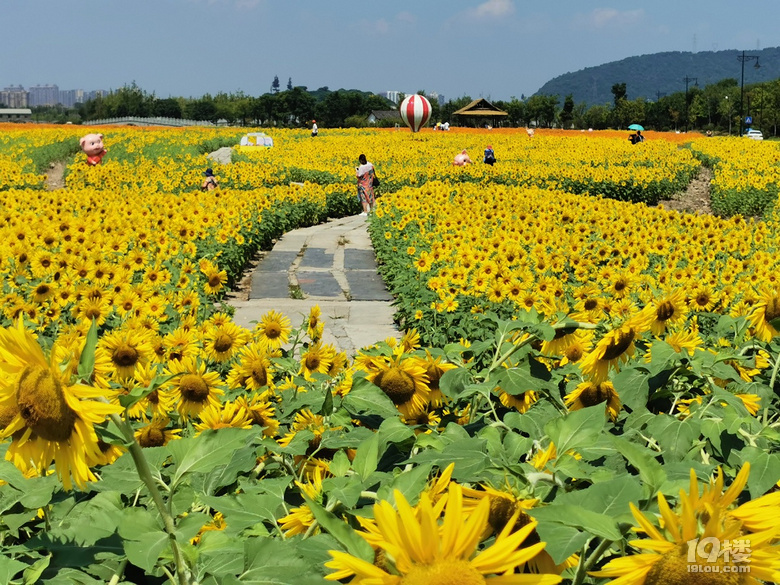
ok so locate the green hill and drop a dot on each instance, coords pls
(661, 73)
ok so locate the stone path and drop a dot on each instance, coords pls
(331, 265)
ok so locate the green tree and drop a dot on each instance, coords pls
(275, 84)
(289, 83)
(567, 113)
(619, 93)
(167, 108)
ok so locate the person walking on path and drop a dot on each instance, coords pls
(365, 183)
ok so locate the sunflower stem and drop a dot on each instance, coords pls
(774, 373)
(145, 473)
(592, 560)
(119, 572)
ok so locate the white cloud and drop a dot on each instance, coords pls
(494, 9)
(406, 17)
(601, 18)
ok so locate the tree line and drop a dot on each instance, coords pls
(718, 107)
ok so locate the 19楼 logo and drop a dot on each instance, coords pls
(711, 555)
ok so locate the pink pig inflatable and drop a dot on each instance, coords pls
(92, 145)
(462, 159)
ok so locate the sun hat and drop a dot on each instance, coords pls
(209, 173)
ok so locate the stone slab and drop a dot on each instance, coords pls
(355, 259)
(318, 284)
(269, 285)
(316, 258)
(276, 261)
(366, 285)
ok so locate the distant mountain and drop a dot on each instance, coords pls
(648, 75)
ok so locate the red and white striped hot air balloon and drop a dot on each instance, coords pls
(416, 111)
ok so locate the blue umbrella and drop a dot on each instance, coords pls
(636, 127)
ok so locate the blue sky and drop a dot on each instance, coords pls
(490, 48)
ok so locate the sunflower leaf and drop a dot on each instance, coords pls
(577, 428)
(87, 359)
(367, 457)
(206, 451)
(367, 398)
(764, 470)
(341, 531)
(141, 392)
(562, 541)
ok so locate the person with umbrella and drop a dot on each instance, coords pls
(636, 138)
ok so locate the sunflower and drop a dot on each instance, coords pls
(434, 370)
(612, 349)
(156, 433)
(49, 419)
(127, 350)
(317, 358)
(300, 519)
(223, 416)
(313, 329)
(669, 310)
(417, 550)
(504, 505)
(273, 329)
(160, 402)
(261, 413)
(404, 381)
(589, 393)
(578, 347)
(180, 343)
(221, 343)
(696, 518)
(215, 279)
(195, 388)
(764, 313)
(252, 370)
(522, 402)
(216, 523)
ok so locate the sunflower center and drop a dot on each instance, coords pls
(92, 312)
(665, 311)
(501, 510)
(772, 310)
(397, 384)
(43, 406)
(573, 353)
(223, 342)
(594, 394)
(444, 572)
(194, 388)
(590, 304)
(434, 375)
(7, 414)
(125, 356)
(214, 280)
(259, 374)
(619, 344)
(152, 436)
(672, 569)
(312, 362)
(273, 330)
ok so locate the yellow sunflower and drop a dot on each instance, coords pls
(612, 349)
(194, 387)
(434, 370)
(221, 343)
(316, 358)
(404, 381)
(589, 393)
(764, 313)
(252, 370)
(156, 433)
(223, 416)
(669, 310)
(273, 329)
(127, 350)
(261, 413)
(701, 533)
(417, 550)
(49, 419)
(301, 518)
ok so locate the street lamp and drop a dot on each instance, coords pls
(686, 79)
(742, 58)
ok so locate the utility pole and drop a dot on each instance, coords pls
(742, 60)
(686, 79)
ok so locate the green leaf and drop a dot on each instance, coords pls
(675, 436)
(610, 498)
(392, 430)
(9, 568)
(562, 541)
(468, 455)
(632, 384)
(367, 457)
(592, 522)
(141, 392)
(343, 532)
(366, 398)
(207, 450)
(244, 510)
(764, 470)
(34, 571)
(327, 405)
(144, 539)
(273, 562)
(643, 460)
(409, 483)
(453, 382)
(576, 429)
(339, 465)
(344, 489)
(87, 359)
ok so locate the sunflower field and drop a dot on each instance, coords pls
(585, 390)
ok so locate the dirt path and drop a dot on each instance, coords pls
(55, 176)
(696, 198)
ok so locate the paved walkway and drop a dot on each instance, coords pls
(331, 265)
